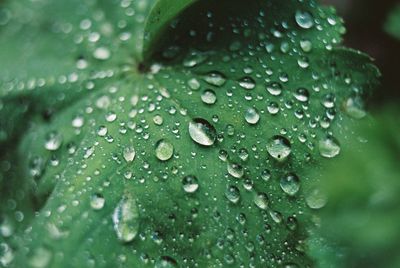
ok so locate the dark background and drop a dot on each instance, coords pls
(364, 20)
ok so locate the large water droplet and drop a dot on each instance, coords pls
(304, 19)
(329, 147)
(202, 132)
(164, 150)
(190, 184)
(290, 184)
(279, 148)
(126, 219)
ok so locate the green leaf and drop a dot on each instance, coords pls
(200, 157)
(392, 24)
(160, 16)
(358, 227)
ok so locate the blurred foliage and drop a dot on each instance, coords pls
(359, 227)
(392, 25)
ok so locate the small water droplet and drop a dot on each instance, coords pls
(102, 53)
(166, 262)
(274, 88)
(235, 170)
(53, 141)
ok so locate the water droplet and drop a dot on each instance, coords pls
(261, 200)
(316, 199)
(301, 94)
(279, 148)
(273, 107)
(232, 194)
(202, 132)
(274, 88)
(53, 141)
(290, 184)
(97, 201)
(329, 147)
(304, 19)
(129, 154)
(40, 258)
(354, 107)
(102, 53)
(166, 262)
(102, 131)
(235, 170)
(126, 219)
(215, 78)
(247, 82)
(252, 116)
(208, 96)
(190, 184)
(164, 150)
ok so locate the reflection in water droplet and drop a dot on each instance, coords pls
(164, 150)
(190, 184)
(290, 184)
(126, 219)
(202, 132)
(329, 147)
(279, 148)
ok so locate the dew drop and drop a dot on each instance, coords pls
(166, 262)
(274, 88)
(202, 132)
(261, 201)
(208, 96)
(279, 148)
(215, 78)
(290, 184)
(97, 201)
(232, 193)
(252, 116)
(102, 53)
(235, 170)
(304, 19)
(329, 147)
(247, 82)
(190, 184)
(164, 150)
(53, 141)
(126, 219)
(129, 154)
